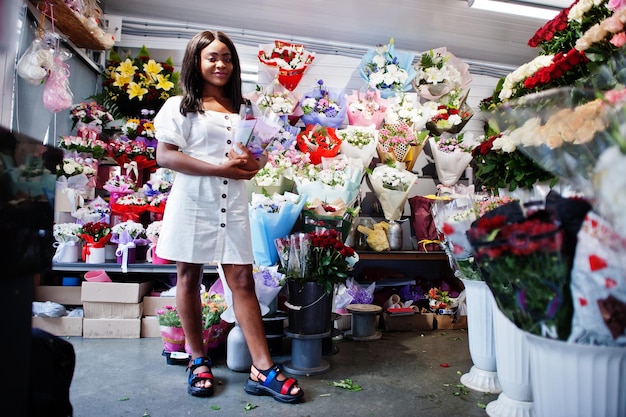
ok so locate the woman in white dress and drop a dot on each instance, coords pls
(206, 216)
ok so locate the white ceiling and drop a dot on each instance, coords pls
(479, 37)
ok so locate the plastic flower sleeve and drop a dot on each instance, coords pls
(449, 165)
(392, 187)
(266, 227)
(599, 284)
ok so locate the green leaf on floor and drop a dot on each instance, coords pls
(145, 414)
(347, 384)
(215, 407)
(481, 405)
(124, 399)
(249, 407)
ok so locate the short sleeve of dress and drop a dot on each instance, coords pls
(170, 126)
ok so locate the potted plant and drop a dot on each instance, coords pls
(96, 235)
(171, 328)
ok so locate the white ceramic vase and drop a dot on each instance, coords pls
(513, 364)
(577, 380)
(482, 376)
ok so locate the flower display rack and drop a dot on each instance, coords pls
(71, 25)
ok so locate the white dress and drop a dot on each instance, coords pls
(206, 218)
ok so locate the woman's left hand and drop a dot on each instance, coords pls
(246, 159)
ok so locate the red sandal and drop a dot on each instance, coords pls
(201, 376)
(279, 390)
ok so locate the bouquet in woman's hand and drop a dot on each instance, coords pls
(272, 217)
(392, 186)
(523, 261)
(286, 62)
(387, 70)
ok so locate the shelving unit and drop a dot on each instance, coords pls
(139, 267)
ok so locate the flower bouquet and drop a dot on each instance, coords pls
(562, 130)
(96, 210)
(335, 215)
(89, 118)
(338, 177)
(128, 235)
(277, 174)
(359, 142)
(130, 206)
(214, 329)
(400, 143)
(76, 180)
(276, 98)
(523, 261)
(440, 300)
(452, 155)
(85, 146)
(323, 106)
(387, 70)
(95, 235)
(119, 185)
(140, 130)
(499, 166)
(318, 141)
(132, 156)
(452, 113)
(319, 256)
(392, 186)
(286, 62)
(272, 217)
(366, 108)
(66, 241)
(406, 108)
(439, 73)
(133, 84)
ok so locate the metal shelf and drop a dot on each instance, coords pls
(139, 267)
(405, 255)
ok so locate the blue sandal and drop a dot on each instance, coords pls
(201, 376)
(279, 390)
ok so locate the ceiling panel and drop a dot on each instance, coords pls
(416, 25)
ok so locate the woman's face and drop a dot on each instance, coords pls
(216, 64)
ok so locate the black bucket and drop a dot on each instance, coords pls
(309, 308)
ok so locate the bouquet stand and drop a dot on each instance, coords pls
(310, 309)
(513, 363)
(576, 380)
(482, 376)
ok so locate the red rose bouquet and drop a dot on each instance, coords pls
(318, 141)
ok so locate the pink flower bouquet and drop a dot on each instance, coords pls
(366, 108)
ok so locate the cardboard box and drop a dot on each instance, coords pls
(151, 304)
(115, 292)
(410, 322)
(111, 328)
(97, 310)
(58, 294)
(447, 322)
(150, 327)
(60, 326)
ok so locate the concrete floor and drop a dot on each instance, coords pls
(402, 374)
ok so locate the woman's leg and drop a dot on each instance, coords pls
(248, 314)
(189, 306)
